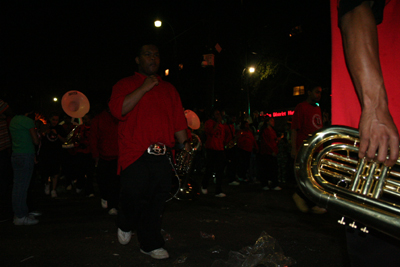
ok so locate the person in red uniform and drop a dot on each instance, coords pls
(104, 146)
(245, 145)
(82, 159)
(150, 116)
(230, 144)
(365, 38)
(267, 161)
(306, 120)
(215, 155)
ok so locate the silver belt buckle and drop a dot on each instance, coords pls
(157, 149)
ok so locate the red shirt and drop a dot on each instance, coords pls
(346, 109)
(306, 120)
(246, 141)
(104, 136)
(82, 134)
(215, 138)
(229, 133)
(155, 118)
(268, 142)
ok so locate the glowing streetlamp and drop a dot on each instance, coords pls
(55, 99)
(158, 23)
(246, 83)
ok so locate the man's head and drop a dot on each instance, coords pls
(314, 94)
(54, 119)
(148, 60)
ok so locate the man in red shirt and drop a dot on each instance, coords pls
(215, 155)
(307, 119)
(267, 161)
(150, 115)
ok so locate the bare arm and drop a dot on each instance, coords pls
(133, 98)
(360, 42)
(34, 135)
(181, 136)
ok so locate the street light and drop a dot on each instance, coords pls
(158, 23)
(251, 70)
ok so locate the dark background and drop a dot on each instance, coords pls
(49, 49)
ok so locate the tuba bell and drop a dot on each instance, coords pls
(329, 172)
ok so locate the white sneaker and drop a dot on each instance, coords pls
(220, 195)
(53, 193)
(234, 183)
(27, 220)
(47, 189)
(158, 254)
(124, 237)
(277, 188)
(113, 211)
(104, 203)
(204, 191)
(265, 188)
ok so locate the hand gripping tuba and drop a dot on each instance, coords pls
(329, 172)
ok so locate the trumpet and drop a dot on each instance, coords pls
(329, 172)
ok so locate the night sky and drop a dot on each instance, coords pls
(47, 50)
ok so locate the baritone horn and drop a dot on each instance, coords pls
(184, 159)
(183, 186)
(329, 172)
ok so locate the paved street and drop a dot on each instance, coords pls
(75, 231)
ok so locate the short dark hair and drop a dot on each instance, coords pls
(311, 87)
(143, 42)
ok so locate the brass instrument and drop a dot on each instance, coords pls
(329, 172)
(183, 186)
(75, 104)
(184, 159)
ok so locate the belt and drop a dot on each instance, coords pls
(157, 149)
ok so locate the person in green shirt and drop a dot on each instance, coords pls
(24, 138)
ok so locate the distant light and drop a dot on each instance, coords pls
(166, 72)
(157, 23)
(55, 99)
(252, 69)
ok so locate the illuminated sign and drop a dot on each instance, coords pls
(276, 114)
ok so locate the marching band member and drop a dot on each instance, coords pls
(150, 115)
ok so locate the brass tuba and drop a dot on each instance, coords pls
(75, 104)
(329, 172)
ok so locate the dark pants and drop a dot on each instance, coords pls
(108, 181)
(267, 170)
(243, 162)
(372, 249)
(231, 157)
(215, 163)
(6, 183)
(145, 186)
(84, 171)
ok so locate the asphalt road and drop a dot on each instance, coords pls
(75, 231)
